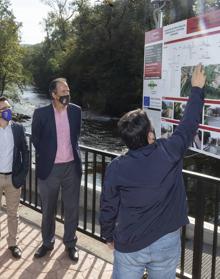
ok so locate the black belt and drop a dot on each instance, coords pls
(6, 173)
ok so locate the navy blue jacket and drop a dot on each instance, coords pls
(20, 156)
(144, 195)
(44, 137)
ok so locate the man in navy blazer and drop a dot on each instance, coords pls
(55, 134)
(14, 162)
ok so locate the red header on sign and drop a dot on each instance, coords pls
(154, 36)
(203, 22)
(152, 70)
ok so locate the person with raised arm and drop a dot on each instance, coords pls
(143, 202)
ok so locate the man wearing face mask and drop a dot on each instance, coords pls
(13, 170)
(55, 133)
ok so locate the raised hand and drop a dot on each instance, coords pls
(198, 76)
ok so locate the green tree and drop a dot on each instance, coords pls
(100, 48)
(180, 10)
(106, 66)
(45, 61)
(10, 50)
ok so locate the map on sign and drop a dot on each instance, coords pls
(171, 53)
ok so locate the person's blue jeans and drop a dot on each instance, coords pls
(160, 259)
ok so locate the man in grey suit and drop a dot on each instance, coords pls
(55, 133)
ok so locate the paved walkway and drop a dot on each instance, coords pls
(54, 266)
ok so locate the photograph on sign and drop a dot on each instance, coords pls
(212, 87)
(212, 115)
(197, 141)
(179, 108)
(166, 129)
(167, 109)
(211, 142)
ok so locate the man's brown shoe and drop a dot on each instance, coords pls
(15, 251)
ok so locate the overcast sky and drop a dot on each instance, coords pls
(31, 14)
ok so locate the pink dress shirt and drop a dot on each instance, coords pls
(64, 147)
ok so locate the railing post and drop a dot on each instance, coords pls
(94, 192)
(85, 190)
(215, 233)
(198, 231)
(183, 246)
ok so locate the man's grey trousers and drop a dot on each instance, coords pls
(63, 176)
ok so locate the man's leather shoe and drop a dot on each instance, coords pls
(15, 251)
(42, 251)
(73, 253)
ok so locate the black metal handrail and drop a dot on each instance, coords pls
(198, 259)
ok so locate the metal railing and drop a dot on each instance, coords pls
(200, 256)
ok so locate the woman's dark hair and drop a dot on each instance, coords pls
(3, 98)
(133, 128)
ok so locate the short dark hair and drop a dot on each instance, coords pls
(53, 84)
(3, 98)
(133, 128)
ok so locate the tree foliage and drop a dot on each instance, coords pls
(10, 50)
(99, 49)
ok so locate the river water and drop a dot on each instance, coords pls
(97, 131)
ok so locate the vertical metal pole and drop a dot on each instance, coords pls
(85, 190)
(198, 231)
(94, 192)
(215, 233)
(160, 19)
(158, 13)
(183, 246)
